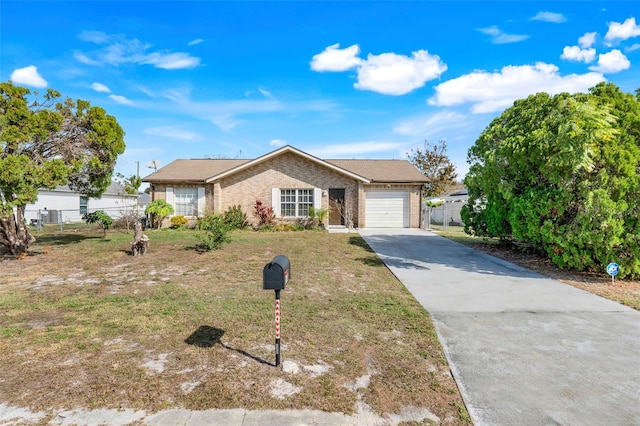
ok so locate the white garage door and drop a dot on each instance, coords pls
(387, 209)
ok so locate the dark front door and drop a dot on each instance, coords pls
(336, 202)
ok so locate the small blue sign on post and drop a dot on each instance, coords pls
(613, 269)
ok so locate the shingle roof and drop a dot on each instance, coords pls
(201, 170)
(113, 189)
(382, 170)
(194, 170)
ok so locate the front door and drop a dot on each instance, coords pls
(336, 202)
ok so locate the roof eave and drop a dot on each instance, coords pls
(399, 182)
(176, 180)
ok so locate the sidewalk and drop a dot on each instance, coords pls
(179, 417)
(524, 349)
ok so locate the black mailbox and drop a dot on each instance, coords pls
(276, 274)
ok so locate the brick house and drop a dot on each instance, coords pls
(379, 193)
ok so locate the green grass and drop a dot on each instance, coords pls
(83, 316)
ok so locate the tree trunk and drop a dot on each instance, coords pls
(14, 235)
(140, 241)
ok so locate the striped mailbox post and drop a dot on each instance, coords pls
(275, 276)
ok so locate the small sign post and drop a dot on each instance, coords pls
(613, 269)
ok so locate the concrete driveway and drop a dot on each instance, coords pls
(523, 348)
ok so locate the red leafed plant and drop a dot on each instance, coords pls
(265, 214)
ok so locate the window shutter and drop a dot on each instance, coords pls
(169, 197)
(317, 198)
(201, 201)
(275, 201)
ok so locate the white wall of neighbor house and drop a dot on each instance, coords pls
(66, 206)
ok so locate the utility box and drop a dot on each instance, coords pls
(276, 274)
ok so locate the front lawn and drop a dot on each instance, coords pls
(84, 324)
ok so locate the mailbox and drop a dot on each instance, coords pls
(276, 274)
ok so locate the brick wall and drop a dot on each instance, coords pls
(289, 171)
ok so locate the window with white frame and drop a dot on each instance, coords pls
(295, 202)
(185, 201)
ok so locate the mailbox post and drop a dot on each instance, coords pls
(275, 276)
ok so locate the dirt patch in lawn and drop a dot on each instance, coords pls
(86, 325)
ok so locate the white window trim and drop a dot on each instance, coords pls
(276, 200)
(317, 198)
(201, 201)
(169, 197)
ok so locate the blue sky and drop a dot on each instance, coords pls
(335, 79)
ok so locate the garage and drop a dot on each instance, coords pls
(387, 209)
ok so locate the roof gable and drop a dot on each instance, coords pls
(280, 151)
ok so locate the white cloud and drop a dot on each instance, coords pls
(500, 37)
(618, 31)
(173, 132)
(99, 87)
(611, 62)
(117, 50)
(387, 73)
(556, 18)
(80, 57)
(432, 124)
(492, 92)
(575, 53)
(351, 149)
(587, 40)
(225, 114)
(196, 41)
(120, 100)
(226, 122)
(97, 37)
(278, 143)
(633, 47)
(335, 59)
(393, 74)
(265, 93)
(171, 61)
(28, 76)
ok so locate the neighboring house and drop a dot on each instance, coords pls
(143, 201)
(62, 205)
(449, 211)
(379, 193)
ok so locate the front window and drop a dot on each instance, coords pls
(296, 202)
(186, 201)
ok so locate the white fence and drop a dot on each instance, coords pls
(39, 217)
(443, 216)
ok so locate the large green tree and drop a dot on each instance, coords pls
(561, 174)
(434, 163)
(45, 142)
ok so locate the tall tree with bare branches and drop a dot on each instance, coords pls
(434, 163)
